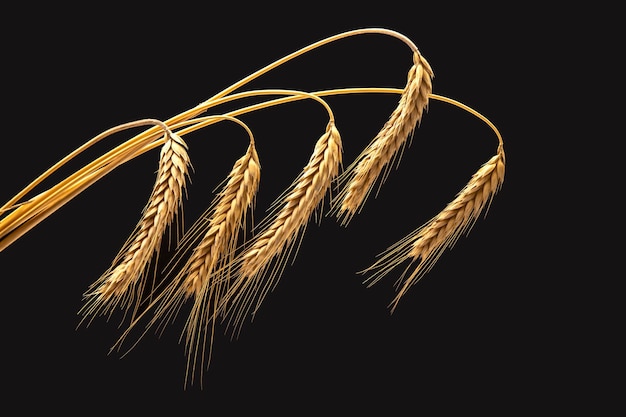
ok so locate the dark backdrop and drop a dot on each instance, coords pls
(484, 329)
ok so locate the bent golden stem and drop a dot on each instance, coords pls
(472, 112)
(147, 135)
(111, 160)
(380, 31)
(344, 91)
(30, 213)
(212, 101)
(369, 90)
(293, 95)
(27, 216)
(144, 122)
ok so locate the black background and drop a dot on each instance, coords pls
(492, 326)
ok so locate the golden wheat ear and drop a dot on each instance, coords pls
(123, 283)
(259, 266)
(423, 247)
(205, 274)
(380, 155)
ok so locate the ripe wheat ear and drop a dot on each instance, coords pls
(205, 274)
(378, 157)
(259, 267)
(424, 246)
(123, 283)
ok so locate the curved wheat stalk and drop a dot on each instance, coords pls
(378, 157)
(424, 246)
(260, 265)
(122, 284)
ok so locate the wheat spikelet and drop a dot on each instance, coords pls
(378, 157)
(123, 282)
(424, 246)
(272, 246)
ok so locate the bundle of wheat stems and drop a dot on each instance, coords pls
(223, 270)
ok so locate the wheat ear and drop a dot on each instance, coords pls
(424, 246)
(260, 265)
(204, 275)
(122, 284)
(378, 157)
(229, 213)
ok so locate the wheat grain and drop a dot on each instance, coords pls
(424, 246)
(378, 157)
(261, 264)
(122, 284)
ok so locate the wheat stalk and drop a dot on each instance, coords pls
(378, 157)
(122, 284)
(423, 247)
(260, 265)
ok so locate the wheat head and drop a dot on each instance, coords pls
(423, 247)
(261, 264)
(378, 157)
(122, 284)
(229, 213)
